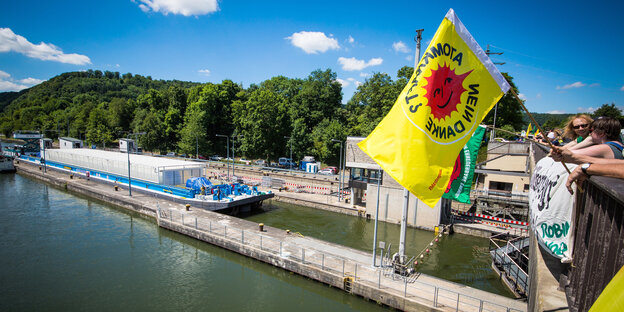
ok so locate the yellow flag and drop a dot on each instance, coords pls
(528, 131)
(449, 94)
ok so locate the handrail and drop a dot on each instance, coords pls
(372, 276)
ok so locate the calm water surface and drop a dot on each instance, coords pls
(63, 252)
(459, 258)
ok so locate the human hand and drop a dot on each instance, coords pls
(577, 176)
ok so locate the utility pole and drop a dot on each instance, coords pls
(488, 53)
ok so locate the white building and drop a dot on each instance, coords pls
(127, 144)
(70, 143)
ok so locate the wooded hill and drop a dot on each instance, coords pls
(267, 119)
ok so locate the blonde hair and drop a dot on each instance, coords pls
(569, 130)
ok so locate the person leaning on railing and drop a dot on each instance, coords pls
(605, 133)
(577, 132)
(589, 166)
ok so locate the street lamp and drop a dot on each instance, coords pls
(233, 137)
(228, 153)
(291, 160)
(128, 152)
(340, 168)
(196, 147)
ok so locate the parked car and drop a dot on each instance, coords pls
(261, 162)
(215, 157)
(171, 154)
(326, 171)
(201, 157)
(331, 170)
(285, 162)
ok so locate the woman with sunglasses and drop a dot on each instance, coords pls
(605, 133)
(577, 131)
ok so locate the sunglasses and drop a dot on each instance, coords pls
(580, 126)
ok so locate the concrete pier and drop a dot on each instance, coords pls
(332, 264)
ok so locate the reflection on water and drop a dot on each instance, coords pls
(458, 258)
(65, 252)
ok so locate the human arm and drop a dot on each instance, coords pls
(603, 167)
(585, 143)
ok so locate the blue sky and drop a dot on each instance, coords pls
(564, 57)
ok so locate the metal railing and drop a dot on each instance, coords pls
(512, 268)
(355, 272)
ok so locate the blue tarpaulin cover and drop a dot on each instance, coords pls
(196, 184)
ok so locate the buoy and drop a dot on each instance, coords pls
(422, 256)
(415, 262)
(430, 244)
(436, 240)
(427, 250)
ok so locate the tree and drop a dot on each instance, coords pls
(608, 111)
(324, 148)
(371, 102)
(263, 121)
(508, 111)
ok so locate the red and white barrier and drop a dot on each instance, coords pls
(491, 218)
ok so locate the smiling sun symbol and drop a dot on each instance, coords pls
(443, 90)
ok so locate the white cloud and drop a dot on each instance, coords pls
(11, 42)
(400, 47)
(409, 58)
(354, 64)
(205, 72)
(557, 112)
(622, 88)
(522, 96)
(538, 96)
(351, 40)
(4, 74)
(343, 82)
(594, 85)
(10, 86)
(182, 7)
(31, 81)
(313, 42)
(577, 84)
(364, 75)
(585, 109)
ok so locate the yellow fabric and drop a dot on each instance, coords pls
(612, 297)
(417, 143)
(526, 135)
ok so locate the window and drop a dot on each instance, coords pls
(364, 175)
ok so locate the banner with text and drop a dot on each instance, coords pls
(551, 207)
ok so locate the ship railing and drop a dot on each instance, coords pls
(352, 272)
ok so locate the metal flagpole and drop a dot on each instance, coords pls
(418, 39)
(379, 175)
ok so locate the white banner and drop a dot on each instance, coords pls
(551, 208)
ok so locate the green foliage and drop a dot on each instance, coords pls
(608, 110)
(508, 110)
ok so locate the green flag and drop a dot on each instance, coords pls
(463, 171)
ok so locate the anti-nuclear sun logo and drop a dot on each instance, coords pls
(443, 90)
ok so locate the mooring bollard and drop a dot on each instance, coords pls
(116, 188)
(188, 207)
(261, 227)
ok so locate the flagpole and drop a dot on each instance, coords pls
(379, 175)
(406, 193)
(537, 125)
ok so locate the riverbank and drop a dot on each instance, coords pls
(302, 253)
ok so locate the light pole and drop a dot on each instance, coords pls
(128, 153)
(339, 166)
(233, 137)
(227, 137)
(291, 160)
(196, 147)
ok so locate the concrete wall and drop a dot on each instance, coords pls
(391, 208)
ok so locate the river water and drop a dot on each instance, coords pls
(61, 251)
(458, 258)
(64, 252)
